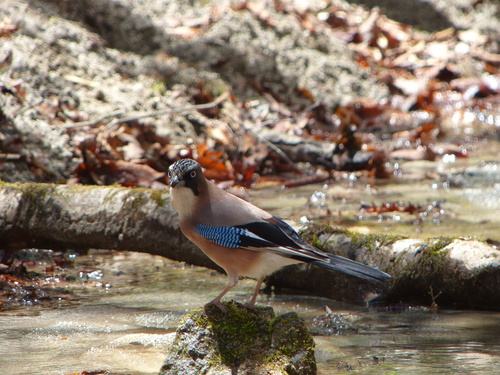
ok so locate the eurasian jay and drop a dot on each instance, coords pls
(241, 238)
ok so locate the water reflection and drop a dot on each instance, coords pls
(423, 343)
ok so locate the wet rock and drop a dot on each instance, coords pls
(448, 273)
(473, 255)
(241, 341)
(333, 324)
(438, 272)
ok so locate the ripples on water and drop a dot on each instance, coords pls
(124, 324)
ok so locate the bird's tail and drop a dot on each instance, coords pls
(353, 268)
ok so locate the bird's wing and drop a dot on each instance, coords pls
(310, 254)
(275, 235)
(272, 234)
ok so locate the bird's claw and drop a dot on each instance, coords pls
(219, 305)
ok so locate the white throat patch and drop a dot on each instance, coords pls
(183, 201)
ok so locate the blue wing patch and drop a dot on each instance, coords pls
(239, 236)
(223, 236)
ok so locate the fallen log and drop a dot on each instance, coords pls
(446, 272)
(62, 217)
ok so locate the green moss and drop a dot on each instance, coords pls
(438, 244)
(370, 241)
(373, 241)
(431, 271)
(36, 193)
(159, 87)
(431, 263)
(157, 196)
(316, 242)
(244, 339)
(296, 336)
(142, 195)
(240, 333)
(312, 234)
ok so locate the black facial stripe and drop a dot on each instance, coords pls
(192, 184)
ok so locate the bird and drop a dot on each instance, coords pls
(241, 238)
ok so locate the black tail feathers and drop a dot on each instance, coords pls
(351, 267)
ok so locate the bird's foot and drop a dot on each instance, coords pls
(218, 304)
(250, 306)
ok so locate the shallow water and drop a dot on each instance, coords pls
(454, 196)
(450, 342)
(132, 303)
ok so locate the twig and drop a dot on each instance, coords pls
(134, 116)
(82, 124)
(434, 305)
(272, 146)
(28, 107)
(10, 157)
(269, 144)
(195, 107)
(300, 115)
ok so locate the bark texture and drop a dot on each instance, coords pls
(82, 217)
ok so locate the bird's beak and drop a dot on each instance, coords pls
(174, 181)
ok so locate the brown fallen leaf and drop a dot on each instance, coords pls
(144, 174)
(419, 153)
(7, 28)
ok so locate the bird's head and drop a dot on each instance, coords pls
(186, 173)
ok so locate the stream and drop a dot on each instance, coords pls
(130, 304)
(126, 306)
(451, 197)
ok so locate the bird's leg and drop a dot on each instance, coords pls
(233, 280)
(251, 304)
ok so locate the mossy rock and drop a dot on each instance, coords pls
(241, 341)
(450, 273)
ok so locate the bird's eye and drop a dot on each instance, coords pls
(192, 174)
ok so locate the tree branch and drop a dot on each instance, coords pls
(82, 217)
(134, 116)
